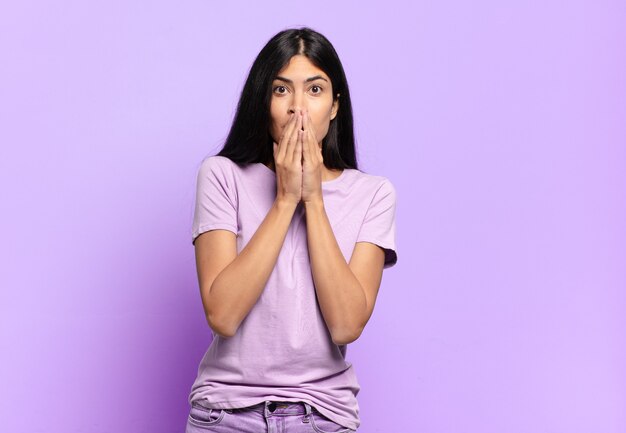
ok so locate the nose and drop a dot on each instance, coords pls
(297, 103)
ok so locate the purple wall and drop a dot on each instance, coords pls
(501, 125)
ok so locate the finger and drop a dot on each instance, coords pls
(312, 130)
(314, 149)
(310, 140)
(297, 155)
(305, 120)
(282, 147)
(291, 144)
(309, 133)
(312, 146)
(306, 153)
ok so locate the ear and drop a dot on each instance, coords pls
(335, 108)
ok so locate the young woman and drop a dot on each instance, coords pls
(291, 240)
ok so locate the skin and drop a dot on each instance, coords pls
(231, 283)
(314, 99)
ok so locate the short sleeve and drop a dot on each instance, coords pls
(216, 199)
(379, 224)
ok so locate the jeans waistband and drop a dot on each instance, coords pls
(279, 408)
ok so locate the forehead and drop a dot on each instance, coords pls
(300, 66)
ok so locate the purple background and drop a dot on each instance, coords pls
(501, 125)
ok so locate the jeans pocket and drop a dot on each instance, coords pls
(204, 416)
(322, 424)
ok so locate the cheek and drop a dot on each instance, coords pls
(321, 120)
(273, 114)
(276, 121)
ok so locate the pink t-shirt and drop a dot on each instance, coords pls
(283, 350)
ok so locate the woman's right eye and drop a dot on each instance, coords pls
(279, 87)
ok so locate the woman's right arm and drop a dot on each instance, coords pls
(230, 284)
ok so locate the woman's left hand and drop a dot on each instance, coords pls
(312, 162)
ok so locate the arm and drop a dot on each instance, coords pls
(230, 284)
(346, 292)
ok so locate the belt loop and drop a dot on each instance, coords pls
(307, 408)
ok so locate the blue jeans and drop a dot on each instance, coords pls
(267, 417)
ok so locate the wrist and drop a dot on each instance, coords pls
(285, 203)
(316, 203)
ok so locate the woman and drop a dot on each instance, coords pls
(291, 240)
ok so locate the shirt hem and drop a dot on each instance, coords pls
(209, 227)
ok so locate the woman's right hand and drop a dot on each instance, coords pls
(288, 161)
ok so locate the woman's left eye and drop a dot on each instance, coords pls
(318, 87)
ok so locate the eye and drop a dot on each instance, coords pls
(279, 87)
(318, 87)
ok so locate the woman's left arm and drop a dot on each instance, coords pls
(346, 292)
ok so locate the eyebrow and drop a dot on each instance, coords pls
(287, 80)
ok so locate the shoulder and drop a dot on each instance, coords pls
(219, 172)
(216, 163)
(220, 167)
(372, 184)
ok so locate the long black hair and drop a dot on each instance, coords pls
(249, 139)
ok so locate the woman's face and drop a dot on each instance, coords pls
(302, 85)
